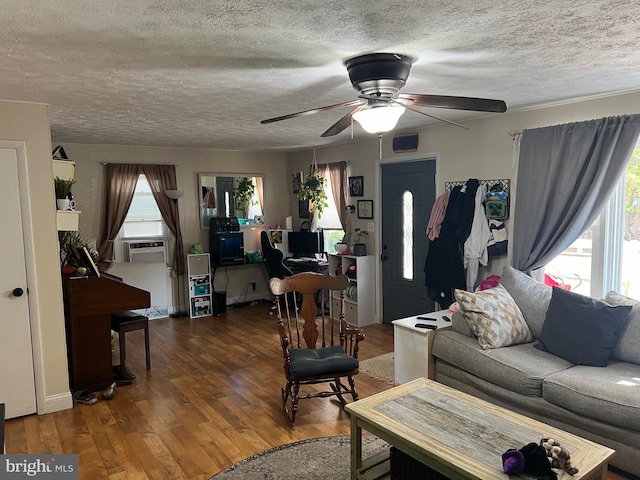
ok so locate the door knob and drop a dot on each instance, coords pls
(17, 292)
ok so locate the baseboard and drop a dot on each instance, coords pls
(56, 403)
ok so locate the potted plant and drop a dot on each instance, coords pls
(63, 187)
(312, 189)
(243, 194)
(359, 248)
(63, 191)
(70, 242)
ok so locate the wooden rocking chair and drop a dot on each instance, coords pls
(312, 357)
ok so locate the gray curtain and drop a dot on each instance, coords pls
(566, 173)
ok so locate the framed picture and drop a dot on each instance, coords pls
(365, 209)
(356, 186)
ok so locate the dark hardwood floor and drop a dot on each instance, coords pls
(212, 398)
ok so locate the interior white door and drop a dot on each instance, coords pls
(17, 383)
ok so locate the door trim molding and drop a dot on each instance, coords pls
(30, 266)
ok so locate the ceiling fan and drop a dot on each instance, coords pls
(378, 77)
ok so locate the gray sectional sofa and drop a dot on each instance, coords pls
(601, 404)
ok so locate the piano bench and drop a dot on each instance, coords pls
(122, 322)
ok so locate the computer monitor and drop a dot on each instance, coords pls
(306, 244)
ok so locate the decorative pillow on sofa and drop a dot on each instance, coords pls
(628, 347)
(581, 329)
(494, 317)
(531, 296)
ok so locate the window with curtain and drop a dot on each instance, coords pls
(256, 200)
(330, 221)
(605, 256)
(143, 219)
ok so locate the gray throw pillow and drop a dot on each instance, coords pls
(581, 329)
(628, 348)
(531, 296)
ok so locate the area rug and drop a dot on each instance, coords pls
(326, 458)
(380, 367)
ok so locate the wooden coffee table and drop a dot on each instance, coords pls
(456, 434)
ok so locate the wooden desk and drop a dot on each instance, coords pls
(458, 435)
(88, 304)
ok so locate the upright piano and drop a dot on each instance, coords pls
(89, 303)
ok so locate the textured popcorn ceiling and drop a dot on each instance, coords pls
(203, 73)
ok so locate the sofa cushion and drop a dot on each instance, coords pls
(519, 368)
(628, 346)
(581, 329)
(608, 394)
(531, 296)
(493, 317)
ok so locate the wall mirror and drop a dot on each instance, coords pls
(216, 197)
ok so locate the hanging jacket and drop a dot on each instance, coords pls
(444, 271)
(475, 247)
(437, 215)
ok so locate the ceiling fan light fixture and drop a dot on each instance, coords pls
(379, 119)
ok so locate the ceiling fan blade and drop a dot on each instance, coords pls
(456, 103)
(429, 115)
(312, 111)
(343, 123)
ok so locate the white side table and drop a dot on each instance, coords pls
(412, 346)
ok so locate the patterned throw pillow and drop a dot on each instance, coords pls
(494, 317)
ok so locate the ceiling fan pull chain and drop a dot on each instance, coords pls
(380, 140)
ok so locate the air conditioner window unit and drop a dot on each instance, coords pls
(145, 251)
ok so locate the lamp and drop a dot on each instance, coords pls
(379, 118)
(175, 195)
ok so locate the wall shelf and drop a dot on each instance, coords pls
(67, 220)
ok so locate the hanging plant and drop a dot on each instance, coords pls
(243, 194)
(312, 189)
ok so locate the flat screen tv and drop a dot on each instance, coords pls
(305, 244)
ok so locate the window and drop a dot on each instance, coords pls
(143, 219)
(407, 235)
(605, 256)
(330, 221)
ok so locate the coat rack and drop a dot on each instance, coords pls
(505, 183)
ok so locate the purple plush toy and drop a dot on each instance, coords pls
(513, 462)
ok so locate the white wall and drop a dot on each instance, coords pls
(88, 193)
(29, 123)
(485, 152)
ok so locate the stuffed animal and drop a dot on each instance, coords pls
(558, 456)
(513, 462)
(538, 460)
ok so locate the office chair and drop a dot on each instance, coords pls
(312, 356)
(273, 258)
